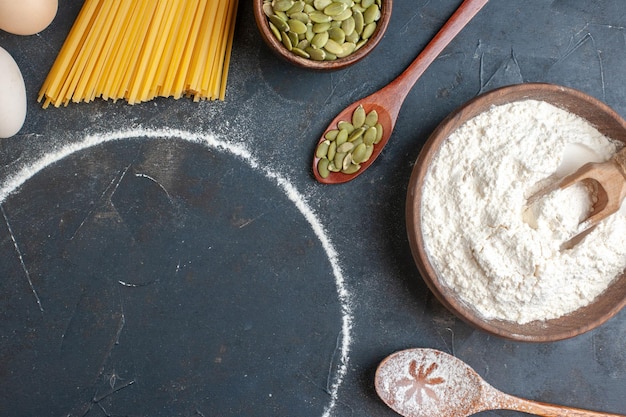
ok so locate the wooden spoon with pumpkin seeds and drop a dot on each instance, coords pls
(385, 104)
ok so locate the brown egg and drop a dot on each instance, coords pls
(27, 17)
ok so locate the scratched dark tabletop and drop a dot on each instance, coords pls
(178, 259)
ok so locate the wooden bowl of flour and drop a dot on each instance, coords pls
(587, 317)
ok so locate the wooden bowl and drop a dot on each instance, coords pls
(279, 49)
(605, 306)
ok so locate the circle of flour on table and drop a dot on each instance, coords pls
(11, 186)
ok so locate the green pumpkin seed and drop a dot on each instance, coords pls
(333, 47)
(332, 167)
(345, 147)
(356, 134)
(298, 7)
(347, 161)
(348, 26)
(280, 24)
(338, 159)
(281, 15)
(335, 8)
(282, 5)
(268, 9)
(368, 30)
(320, 40)
(296, 26)
(322, 149)
(345, 125)
(286, 41)
(322, 168)
(322, 4)
(332, 150)
(356, 142)
(301, 16)
(316, 54)
(372, 14)
(321, 27)
(337, 34)
(331, 134)
(353, 37)
(342, 136)
(293, 37)
(309, 32)
(379, 133)
(359, 23)
(358, 117)
(358, 154)
(319, 17)
(351, 169)
(360, 43)
(347, 49)
(372, 118)
(369, 150)
(369, 137)
(275, 31)
(343, 16)
(300, 52)
(367, 3)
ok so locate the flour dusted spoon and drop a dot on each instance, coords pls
(388, 101)
(427, 382)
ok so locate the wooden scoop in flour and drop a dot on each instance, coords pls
(607, 183)
(607, 180)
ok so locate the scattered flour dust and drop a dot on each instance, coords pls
(13, 183)
(503, 258)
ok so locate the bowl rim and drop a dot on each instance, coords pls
(601, 116)
(279, 49)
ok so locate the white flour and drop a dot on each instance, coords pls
(503, 260)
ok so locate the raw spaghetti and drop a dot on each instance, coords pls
(137, 50)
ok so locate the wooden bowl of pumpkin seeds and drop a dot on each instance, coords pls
(322, 34)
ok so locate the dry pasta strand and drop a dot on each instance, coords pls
(229, 50)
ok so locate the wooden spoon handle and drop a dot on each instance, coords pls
(548, 410)
(399, 88)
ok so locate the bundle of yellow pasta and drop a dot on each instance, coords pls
(141, 49)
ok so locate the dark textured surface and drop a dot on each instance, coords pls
(158, 276)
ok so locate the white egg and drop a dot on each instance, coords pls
(12, 96)
(27, 17)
